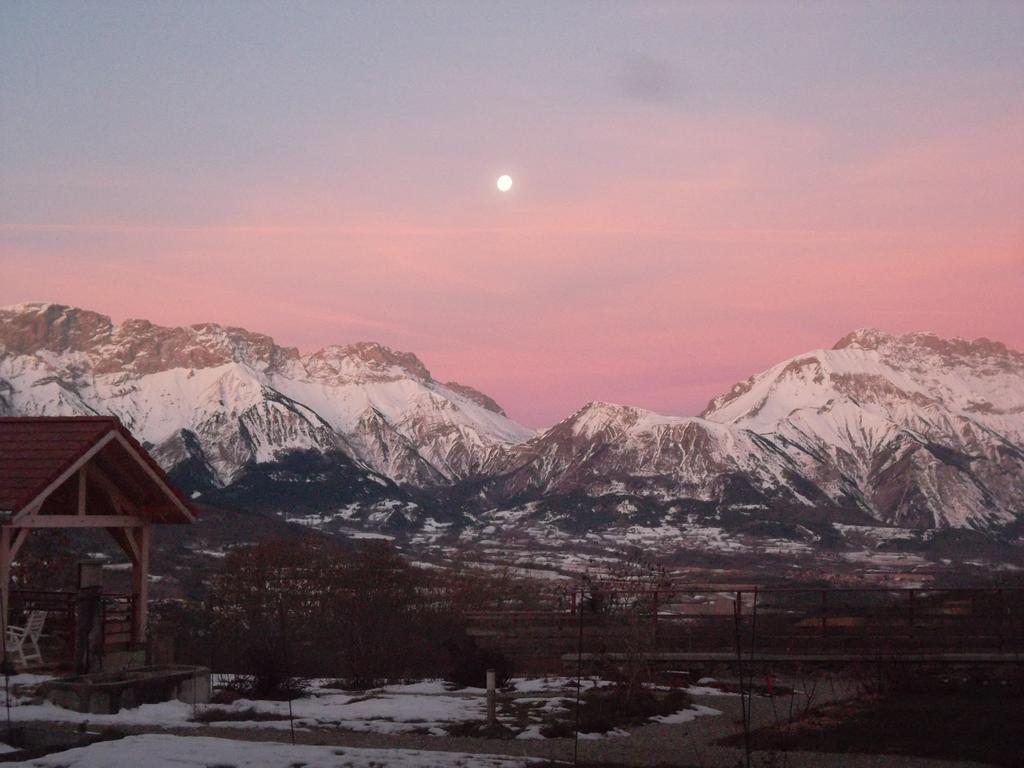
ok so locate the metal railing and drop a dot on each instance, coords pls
(679, 623)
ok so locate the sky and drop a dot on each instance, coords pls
(700, 189)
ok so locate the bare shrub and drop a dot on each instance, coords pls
(320, 607)
(624, 604)
(468, 664)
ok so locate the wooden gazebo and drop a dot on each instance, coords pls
(83, 472)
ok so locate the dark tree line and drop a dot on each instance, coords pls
(319, 608)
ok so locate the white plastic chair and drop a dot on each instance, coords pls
(17, 637)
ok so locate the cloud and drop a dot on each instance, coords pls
(650, 79)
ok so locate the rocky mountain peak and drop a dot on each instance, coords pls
(36, 326)
(906, 430)
(598, 416)
(864, 338)
(478, 397)
(243, 398)
(143, 347)
(927, 343)
(928, 430)
(375, 354)
(135, 345)
(367, 359)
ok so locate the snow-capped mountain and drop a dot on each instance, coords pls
(922, 431)
(223, 399)
(607, 450)
(912, 431)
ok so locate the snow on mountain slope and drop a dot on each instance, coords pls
(912, 430)
(405, 424)
(226, 397)
(925, 431)
(614, 450)
(896, 377)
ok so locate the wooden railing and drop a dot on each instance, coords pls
(61, 628)
(118, 626)
(61, 619)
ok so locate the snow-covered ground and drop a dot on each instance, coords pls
(426, 708)
(421, 708)
(166, 751)
(686, 715)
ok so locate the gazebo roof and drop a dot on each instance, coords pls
(38, 454)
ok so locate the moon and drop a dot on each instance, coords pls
(504, 183)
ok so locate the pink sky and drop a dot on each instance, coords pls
(650, 253)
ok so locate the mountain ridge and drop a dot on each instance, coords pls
(243, 397)
(893, 430)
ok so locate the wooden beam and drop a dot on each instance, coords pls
(126, 541)
(34, 505)
(156, 478)
(29, 511)
(81, 492)
(140, 578)
(111, 465)
(17, 539)
(5, 582)
(86, 521)
(118, 500)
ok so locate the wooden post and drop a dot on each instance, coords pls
(1002, 618)
(5, 578)
(81, 492)
(90, 623)
(140, 579)
(492, 704)
(11, 540)
(654, 621)
(824, 616)
(911, 595)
